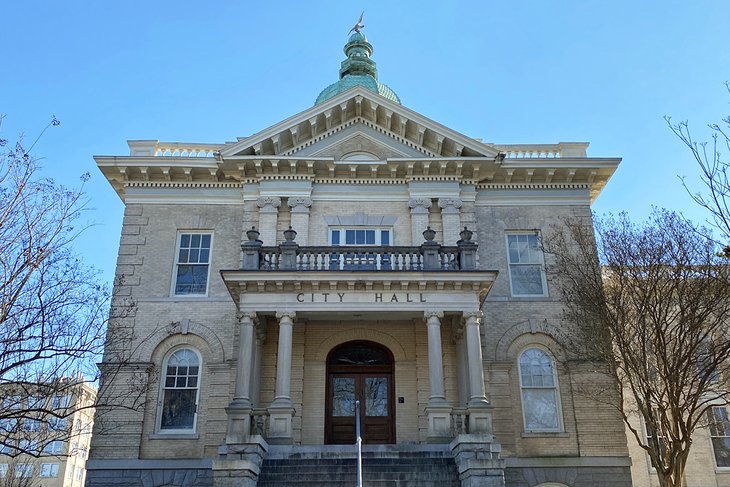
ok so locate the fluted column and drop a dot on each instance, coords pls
(300, 218)
(451, 219)
(435, 359)
(268, 218)
(419, 218)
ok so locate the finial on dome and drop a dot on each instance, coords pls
(358, 25)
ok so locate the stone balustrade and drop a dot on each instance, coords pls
(551, 151)
(289, 256)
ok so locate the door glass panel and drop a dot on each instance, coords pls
(343, 396)
(376, 396)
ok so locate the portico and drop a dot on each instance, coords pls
(432, 295)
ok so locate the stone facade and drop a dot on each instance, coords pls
(239, 322)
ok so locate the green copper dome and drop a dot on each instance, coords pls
(357, 70)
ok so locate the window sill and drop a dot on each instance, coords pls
(546, 434)
(174, 436)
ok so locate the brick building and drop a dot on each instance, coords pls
(356, 251)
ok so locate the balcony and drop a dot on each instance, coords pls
(429, 256)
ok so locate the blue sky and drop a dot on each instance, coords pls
(508, 72)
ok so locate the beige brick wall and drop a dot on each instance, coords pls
(145, 269)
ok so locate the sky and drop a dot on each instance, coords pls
(507, 72)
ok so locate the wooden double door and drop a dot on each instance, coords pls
(360, 371)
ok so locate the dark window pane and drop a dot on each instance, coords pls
(183, 257)
(185, 240)
(170, 382)
(181, 382)
(194, 253)
(204, 255)
(343, 396)
(205, 243)
(370, 237)
(376, 396)
(384, 237)
(350, 237)
(193, 370)
(178, 409)
(192, 382)
(360, 237)
(335, 237)
(359, 355)
(195, 240)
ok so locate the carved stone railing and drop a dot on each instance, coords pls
(289, 256)
(171, 149)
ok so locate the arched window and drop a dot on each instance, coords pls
(540, 398)
(180, 386)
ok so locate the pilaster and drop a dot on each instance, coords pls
(419, 217)
(268, 216)
(450, 218)
(300, 217)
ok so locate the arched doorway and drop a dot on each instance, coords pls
(360, 371)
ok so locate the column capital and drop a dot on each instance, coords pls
(299, 204)
(472, 317)
(283, 316)
(450, 205)
(269, 203)
(419, 205)
(430, 314)
(246, 317)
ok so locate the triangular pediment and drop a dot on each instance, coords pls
(394, 127)
(359, 142)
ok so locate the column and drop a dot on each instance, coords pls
(439, 411)
(451, 219)
(242, 396)
(480, 417)
(239, 410)
(435, 359)
(258, 355)
(462, 368)
(281, 410)
(419, 218)
(268, 216)
(300, 217)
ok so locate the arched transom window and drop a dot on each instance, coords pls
(540, 398)
(181, 382)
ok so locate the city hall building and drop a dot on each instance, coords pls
(354, 260)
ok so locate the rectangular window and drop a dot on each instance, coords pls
(61, 401)
(23, 470)
(526, 273)
(57, 424)
(49, 469)
(31, 425)
(192, 263)
(720, 434)
(359, 236)
(53, 447)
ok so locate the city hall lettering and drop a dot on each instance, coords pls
(376, 298)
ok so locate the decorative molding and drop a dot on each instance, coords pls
(299, 204)
(433, 314)
(419, 205)
(269, 204)
(285, 315)
(450, 205)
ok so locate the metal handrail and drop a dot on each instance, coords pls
(358, 442)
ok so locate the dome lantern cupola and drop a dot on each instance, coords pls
(358, 69)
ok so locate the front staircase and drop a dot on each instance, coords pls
(336, 465)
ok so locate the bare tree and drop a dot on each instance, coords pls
(53, 309)
(652, 307)
(715, 172)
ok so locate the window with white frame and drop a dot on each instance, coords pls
(540, 397)
(53, 447)
(31, 425)
(526, 272)
(192, 263)
(180, 388)
(49, 469)
(360, 236)
(23, 470)
(61, 401)
(57, 424)
(720, 435)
